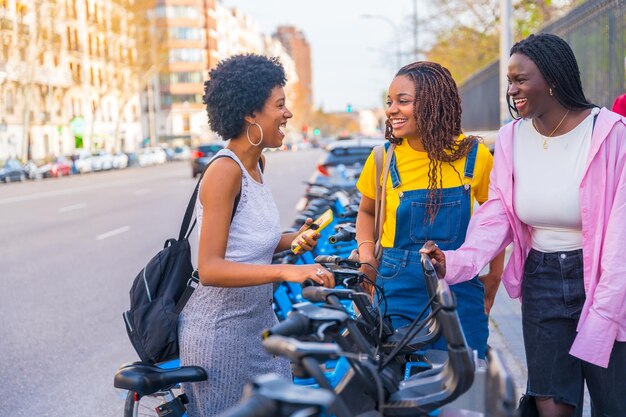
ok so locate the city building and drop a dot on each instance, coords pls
(298, 48)
(187, 43)
(66, 78)
(120, 75)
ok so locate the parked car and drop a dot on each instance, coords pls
(132, 158)
(181, 153)
(120, 160)
(32, 169)
(58, 167)
(145, 157)
(344, 160)
(12, 170)
(102, 161)
(160, 157)
(82, 162)
(201, 155)
(169, 154)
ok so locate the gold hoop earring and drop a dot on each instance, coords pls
(248, 134)
(551, 93)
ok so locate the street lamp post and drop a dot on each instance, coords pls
(505, 45)
(395, 31)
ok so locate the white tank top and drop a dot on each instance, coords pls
(547, 183)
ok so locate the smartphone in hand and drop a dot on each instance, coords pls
(319, 223)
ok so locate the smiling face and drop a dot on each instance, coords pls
(401, 107)
(273, 119)
(528, 89)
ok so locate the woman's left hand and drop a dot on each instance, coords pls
(306, 241)
(491, 282)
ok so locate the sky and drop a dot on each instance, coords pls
(354, 58)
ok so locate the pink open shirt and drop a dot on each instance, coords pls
(603, 210)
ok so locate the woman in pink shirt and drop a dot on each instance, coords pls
(558, 193)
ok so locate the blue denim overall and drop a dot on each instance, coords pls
(400, 271)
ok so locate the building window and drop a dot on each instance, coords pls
(9, 101)
(186, 123)
(192, 77)
(183, 33)
(169, 99)
(186, 55)
(178, 12)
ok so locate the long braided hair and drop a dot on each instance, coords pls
(437, 112)
(557, 63)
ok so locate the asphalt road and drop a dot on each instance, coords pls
(69, 250)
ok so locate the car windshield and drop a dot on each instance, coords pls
(348, 155)
(209, 148)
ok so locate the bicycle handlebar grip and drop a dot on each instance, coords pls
(336, 260)
(342, 236)
(255, 405)
(327, 259)
(295, 324)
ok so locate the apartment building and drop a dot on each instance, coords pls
(188, 39)
(299, 49)
(67, 78)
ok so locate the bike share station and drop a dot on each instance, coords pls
(347, 360)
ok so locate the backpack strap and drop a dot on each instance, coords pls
(185, 230)
(381, 192)
(379, 153)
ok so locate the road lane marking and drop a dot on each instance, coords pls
(72, 207)
(113, 232)
(79, 189)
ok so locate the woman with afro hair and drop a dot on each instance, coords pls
(436, 174)
(220, 327)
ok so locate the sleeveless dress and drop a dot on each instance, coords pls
(220, 328)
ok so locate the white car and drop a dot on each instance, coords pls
(145, 157)
(102, 161)
(120, 160)
(160, 157)
(82, 162)
(181, 153)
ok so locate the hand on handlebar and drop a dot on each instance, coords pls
(314, 272)
(436, 256)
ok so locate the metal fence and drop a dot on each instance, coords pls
(596, 31)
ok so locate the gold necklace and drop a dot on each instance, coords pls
(545, 138)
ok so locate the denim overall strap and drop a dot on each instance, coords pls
(470, 162)
(400, 272)
(393, 172)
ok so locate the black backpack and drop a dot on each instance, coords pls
(161, 290)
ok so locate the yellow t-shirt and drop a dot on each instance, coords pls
(413, 169)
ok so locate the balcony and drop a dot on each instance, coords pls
(6, 23)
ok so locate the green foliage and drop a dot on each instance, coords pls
(470, 38)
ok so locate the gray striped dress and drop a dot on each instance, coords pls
(220, 328)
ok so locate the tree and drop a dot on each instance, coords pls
(467, 32)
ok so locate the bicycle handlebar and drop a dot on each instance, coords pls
(336, 260)
(295, 324)
(256, 405)
(344, 232)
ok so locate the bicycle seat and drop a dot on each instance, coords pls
(145, 379)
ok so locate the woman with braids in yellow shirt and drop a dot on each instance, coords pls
(436, 174)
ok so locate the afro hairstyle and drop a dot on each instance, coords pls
(237, 87)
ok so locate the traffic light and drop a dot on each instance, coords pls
(316, 132)
(349, 108)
